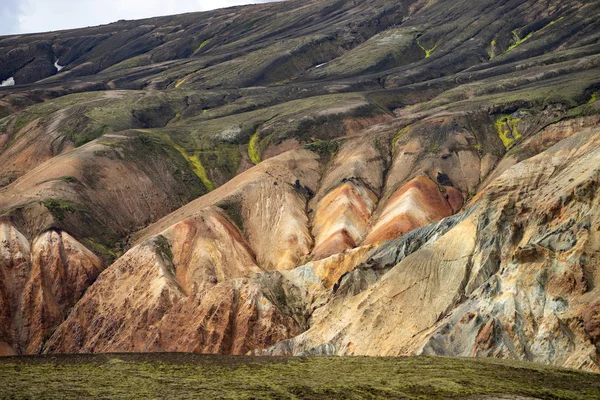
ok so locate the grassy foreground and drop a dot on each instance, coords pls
(145, 376)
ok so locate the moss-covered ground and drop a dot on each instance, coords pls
(169, 376)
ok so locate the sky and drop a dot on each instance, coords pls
(28, 16)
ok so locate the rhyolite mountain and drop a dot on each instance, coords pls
(304, 178)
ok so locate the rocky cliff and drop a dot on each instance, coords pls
(307, 177)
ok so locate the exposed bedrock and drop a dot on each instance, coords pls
(41, 281)
(514, 279)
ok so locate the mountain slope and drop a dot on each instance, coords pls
(307, 177)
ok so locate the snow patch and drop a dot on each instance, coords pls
(9, 82)
(320, 65)
(58, 67)
(230, 134)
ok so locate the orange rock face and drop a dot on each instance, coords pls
(207, 249)
(178, 291)
(331, 269)
(192, 286)
(232, 318)
(515, 277)
(15, 267)
(415, 204)
(270, 201)
(342, 219)
(41, 283)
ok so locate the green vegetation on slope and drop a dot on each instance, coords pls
(323, 148)
(392, 47)
(202, 45)
(58, 208)
(254, 149)
(104, 251)
(397, 137)
(519, 41)
(194, 163)
(179, 83)
(427, 51)
(197, 167)
(507, 130)
(137, 376)
(492, 50)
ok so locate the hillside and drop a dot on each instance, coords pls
(335, 177)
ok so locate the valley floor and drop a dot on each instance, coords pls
(177, 375)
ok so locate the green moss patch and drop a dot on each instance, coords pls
(519, 41)
(401, 133)
(492, 50)
(58, 208)
(234, 211)
(68, 179)
(222, 162)
(107, 253)
(202, 45)
(197, 167)
(324, 148)
(507, 130)
(254, 149)
(427, 51)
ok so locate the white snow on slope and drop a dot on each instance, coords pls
(9, 82)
